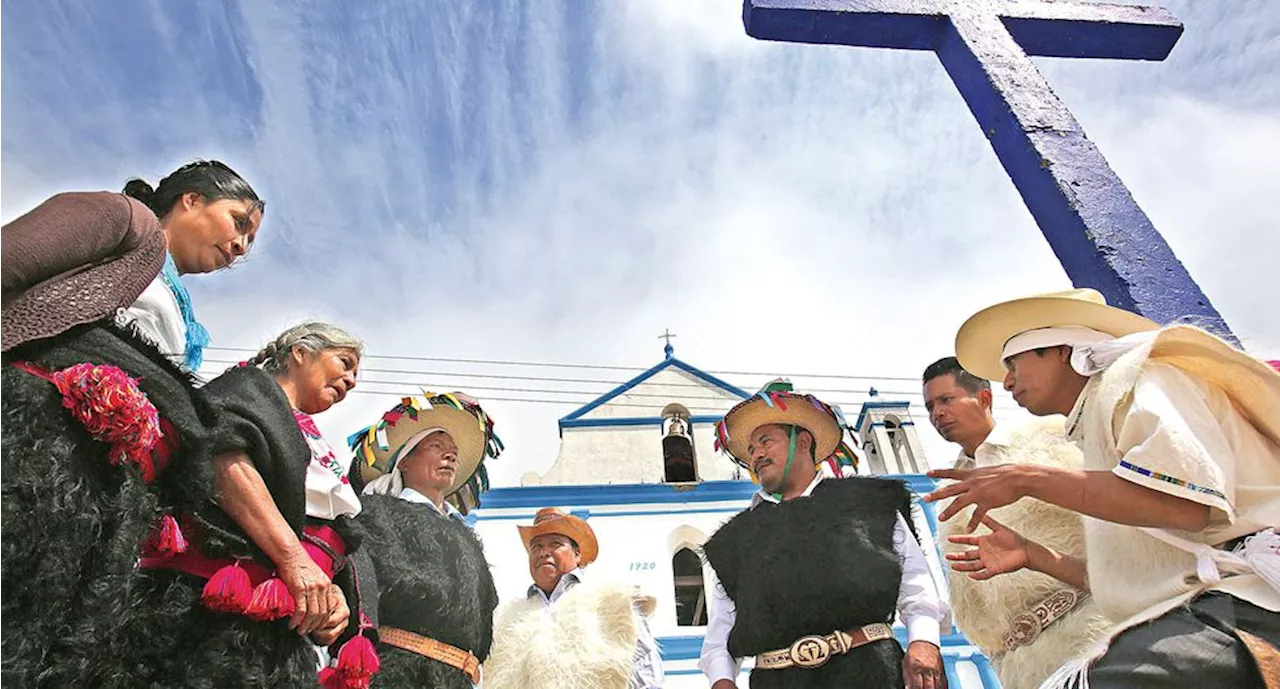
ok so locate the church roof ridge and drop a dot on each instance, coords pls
(668, 362)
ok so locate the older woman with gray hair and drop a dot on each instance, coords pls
(252, 585)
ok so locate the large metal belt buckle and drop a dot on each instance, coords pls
(1027, 625)
(809, 652)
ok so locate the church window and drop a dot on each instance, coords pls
(691, 598)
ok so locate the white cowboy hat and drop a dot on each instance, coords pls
(981, 340)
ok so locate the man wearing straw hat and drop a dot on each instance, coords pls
(811, 574)
(572, 631)
(1181, 440)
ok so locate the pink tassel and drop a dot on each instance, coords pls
(228, 590)
(357, 662)
(169, 540)
(329, 679)
(165, 540)
(271, 601)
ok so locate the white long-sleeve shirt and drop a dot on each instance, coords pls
(921, 608)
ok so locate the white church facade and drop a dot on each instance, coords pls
(639, 465)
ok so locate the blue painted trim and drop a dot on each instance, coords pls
(862, 415)
(649, 374)
(930, 515)
(953, 679)
(632, 421)
(643, 493)
(687, 368)
(985, 671)
(680, 647)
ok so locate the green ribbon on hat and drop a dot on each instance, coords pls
(786, 471)
(778, 385)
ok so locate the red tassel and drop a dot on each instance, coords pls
(228, 590)
(167, 540)
(271, 601)
(330, 679)
(357, 662)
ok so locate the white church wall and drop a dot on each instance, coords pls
(627, 454)
(636, 547)
(665, 387)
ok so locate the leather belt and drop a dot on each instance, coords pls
(435, 650)
(1027, 625)
(813, 651)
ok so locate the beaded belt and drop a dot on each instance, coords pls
(809, 652)
(435, 650)
(1027, 625)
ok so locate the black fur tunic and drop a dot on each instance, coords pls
(811, 566)
(191, 646)
(72, 522)
(431, 579)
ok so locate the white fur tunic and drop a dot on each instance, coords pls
(1189, 415)
(983, 610)
(588, 643)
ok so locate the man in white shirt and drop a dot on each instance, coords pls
(811, 574)
(1181, 476)
(1011, 601)
(572, 631)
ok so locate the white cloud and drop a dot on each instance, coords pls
(524, 182)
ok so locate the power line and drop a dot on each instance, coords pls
(579, 403)
(505, 362)
(552, 379)
(593, 394)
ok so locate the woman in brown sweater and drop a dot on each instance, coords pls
(102, 422)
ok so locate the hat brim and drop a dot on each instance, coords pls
(981, 340)
(744, 419)
(568, 526)
(461, 424)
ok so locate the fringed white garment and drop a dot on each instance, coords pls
(588, 641)
(984, 610)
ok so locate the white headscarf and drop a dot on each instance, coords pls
(1092, 351)
(392, 482)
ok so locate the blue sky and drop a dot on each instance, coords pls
(560, 181)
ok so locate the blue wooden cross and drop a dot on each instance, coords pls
(1097, 230)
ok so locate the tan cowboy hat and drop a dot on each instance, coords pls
(981, 340)
(551, 520)
(378, 448)
(778, 403)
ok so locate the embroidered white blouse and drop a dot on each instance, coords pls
(329, 492)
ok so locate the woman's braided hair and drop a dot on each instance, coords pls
(312, 336)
